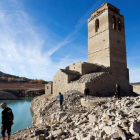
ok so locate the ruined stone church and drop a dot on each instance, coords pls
(107, 64)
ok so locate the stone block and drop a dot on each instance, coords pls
(56, 132)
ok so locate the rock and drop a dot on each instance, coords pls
(71, 138)
(102, 133)
(7, 96)
(92, 118)
(56, 132)
(125, 126)
(108, 130)
(116, 136)
(64, 118)
(79, 136)
(113, 120)
(82, 121)
(50, 137)
(30, 136)
(40, 137)
(136, 137)
(106, 117)
(121, 133)
(89, 137)
(111, 111)
(135, 127)
(76, 129)
(25, 136)
(101, 125)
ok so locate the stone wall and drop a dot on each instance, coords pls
(104, 85)
(98, 41)
(63, 79)
(75, 67)
(85, 67)
(99, 83)
(76, 86)
(89, 68)
(49, 88)
(136, 88)
(60, 81)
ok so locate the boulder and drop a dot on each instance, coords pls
(71, 138)
(135, 127)
(56, 132)
(89, 137)
(121, 133)
(108, 130)
(92, 118)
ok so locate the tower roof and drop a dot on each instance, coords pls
(105, 6)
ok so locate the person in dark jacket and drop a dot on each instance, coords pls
(86, 92)
(61, 99)
(118, 91)
(7, 120)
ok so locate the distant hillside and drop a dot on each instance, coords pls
(7, 75)
(2, 74)
(4, 78)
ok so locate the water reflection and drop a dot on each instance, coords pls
(22, 113)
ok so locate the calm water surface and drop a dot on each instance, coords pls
(22, 113)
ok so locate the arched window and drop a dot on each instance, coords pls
(96, 25)
(119, 24)
(114, 22)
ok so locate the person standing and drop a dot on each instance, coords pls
(86, 92)
(7, 120)
(61, 99)
(118, 91)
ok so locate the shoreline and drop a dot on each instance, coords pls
(14, 94)
(13, 91)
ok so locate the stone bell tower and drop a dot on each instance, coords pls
(106, 42)
(106, 37)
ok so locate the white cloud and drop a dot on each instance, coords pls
(21, 44)
(71, 36)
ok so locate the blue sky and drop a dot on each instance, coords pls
(38, 37)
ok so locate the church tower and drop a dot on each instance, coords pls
(106, 42)
(106, 37)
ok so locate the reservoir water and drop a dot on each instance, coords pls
(22, 113)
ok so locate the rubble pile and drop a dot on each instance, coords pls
(110, 120)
